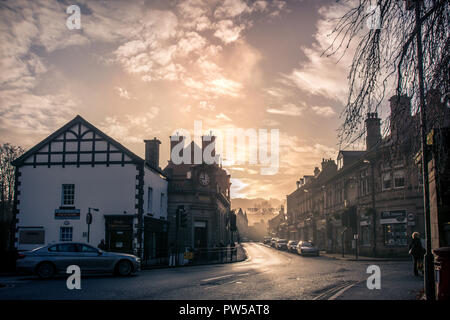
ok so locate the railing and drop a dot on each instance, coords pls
(198, 256)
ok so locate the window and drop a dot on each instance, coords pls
(365, 235)
(65, 234)
(395, 234)
(68, 194)
(69, 247)
(161, 205)
(399, 179)
(150, 200)
(88, 249)
(32, 236)
(387, 181)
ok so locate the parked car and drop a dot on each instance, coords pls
(292, 245)
(281, 244)
(273, 242)
(55, 258)
(267, 240)
(307, 248)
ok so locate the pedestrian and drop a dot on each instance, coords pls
(102, 245)
(417, 252)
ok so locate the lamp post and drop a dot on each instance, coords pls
(429, 259)
(89, 221)
(374, 212)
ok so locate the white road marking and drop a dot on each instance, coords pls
(217, 278)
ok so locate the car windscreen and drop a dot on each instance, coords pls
(307, 244)
(282, 241)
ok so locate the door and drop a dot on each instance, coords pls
(119, 233)
(200, 235)
(120, 240)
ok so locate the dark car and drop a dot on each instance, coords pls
(307, 248)
(267, 240)
(281, 244)
(55, 258)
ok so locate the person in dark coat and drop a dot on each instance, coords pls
(102, 245)
(416, 251)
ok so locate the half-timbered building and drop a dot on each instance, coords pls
(79, 175)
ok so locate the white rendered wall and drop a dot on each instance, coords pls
(159, 185)
(111, 189)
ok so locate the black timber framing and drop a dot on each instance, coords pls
(140, 207)
(13, 229)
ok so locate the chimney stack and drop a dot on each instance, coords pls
(373, 130)
(152, 153)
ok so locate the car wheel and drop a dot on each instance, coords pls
(124, 268)
(45, 270)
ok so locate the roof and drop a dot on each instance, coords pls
(77, 120)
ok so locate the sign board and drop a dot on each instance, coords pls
(88, 218)
(411, 216)
(364, 223)
(67, 214)
(393, 217)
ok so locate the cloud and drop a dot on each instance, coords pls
(288, 109)
(227, 31)
(205, 105)
(326, 112)
(223, 117)
(231, 9)
(322, 75)
(123, 93)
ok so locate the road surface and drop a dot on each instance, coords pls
(266, 274)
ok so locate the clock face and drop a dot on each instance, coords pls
(204, 179)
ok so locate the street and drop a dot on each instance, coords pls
(266, 274)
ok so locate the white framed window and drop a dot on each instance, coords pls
(65, 233)
(399, 179)
(149, 200)
(387, 180)
(68, 195)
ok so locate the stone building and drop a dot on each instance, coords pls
(203, 191)
(371, 198)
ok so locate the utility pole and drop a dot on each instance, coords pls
(429, 259)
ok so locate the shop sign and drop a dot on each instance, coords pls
(66, 214)
(392, 217)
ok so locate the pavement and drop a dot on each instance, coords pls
(349, 257)
(266, 274)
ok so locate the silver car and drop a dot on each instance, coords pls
(55, 258)
(307, 248)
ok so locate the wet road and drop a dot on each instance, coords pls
(266, 274)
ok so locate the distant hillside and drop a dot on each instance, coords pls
(244, 203)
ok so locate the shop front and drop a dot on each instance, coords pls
(119, 233)
(155, 241)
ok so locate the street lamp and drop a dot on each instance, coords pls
(374, 212)
(89, 221)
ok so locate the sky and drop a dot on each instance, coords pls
(144, 69)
